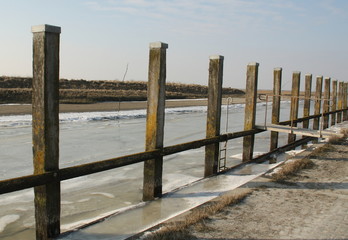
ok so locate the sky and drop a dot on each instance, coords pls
(100, 38)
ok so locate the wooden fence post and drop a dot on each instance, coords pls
(250, 109)
(340, 101)
(307, 100)
(317, 105)
(45, 124)
(345, 95)
(334, 102)
(326, 105)
(295, 92)
(214, 114)
(152, 185)
(277, 83)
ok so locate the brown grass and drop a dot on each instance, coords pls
(344, 131)
(179, 230)
(291, 168)
(336, 139)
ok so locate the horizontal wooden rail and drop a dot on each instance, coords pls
(20, 183)
(298, 120)
(263, 157)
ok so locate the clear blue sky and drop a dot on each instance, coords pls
(99, 38)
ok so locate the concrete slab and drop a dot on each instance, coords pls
(147, 215)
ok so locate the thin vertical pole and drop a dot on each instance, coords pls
(277, 83)
(152, 186)
(214, 113)
(317, 105)
(45, 113)
(250, 109)
(295, 92)
(345, 95)
(334, 102)
(326, 105)
(340, 101)
(307, 99)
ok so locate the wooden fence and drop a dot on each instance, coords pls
(47, 175)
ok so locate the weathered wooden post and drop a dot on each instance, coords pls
(326, 104)
(295, 93)
(340, 101)
(334, 102)
(45, 110)
(250, 109)
(317, 105)
(152, 186)
(345, 95)
(307, 99)
(277, 83)
(214, 113)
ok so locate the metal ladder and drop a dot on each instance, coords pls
(222, 159)
(223, 148)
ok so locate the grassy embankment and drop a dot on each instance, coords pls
(18, 90)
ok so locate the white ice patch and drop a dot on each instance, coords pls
(6, 220)
(26, 120)
(17, 197)
(240, 155)
(108, 195)
(21, 209)
(294, 152)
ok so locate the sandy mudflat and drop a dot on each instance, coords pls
(108, 106)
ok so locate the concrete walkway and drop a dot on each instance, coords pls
(147, 215)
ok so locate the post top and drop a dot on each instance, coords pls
(216, 57)
(45, 28)
(327, 78)
(308, 74)
(319, 76)
(296, 72)
(278, 69)
(158, 45)
(253, 64)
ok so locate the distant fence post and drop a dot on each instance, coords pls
(250, 109)
(340, 101)
(277, 91)
(295, 92)
(345, 95)
(45, 124)
(334, 102)
(307, 99)
(214, 113)
(152, 185)
(317, 105)
(326, 105)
